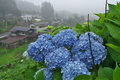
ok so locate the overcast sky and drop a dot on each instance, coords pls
(79, 6)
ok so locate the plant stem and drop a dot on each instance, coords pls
(91, 49)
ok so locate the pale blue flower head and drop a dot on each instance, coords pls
(81, 52)
(72, 69)
(57, 58)
(65, 38)
(93, 37)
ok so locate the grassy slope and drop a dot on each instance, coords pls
(7, 55)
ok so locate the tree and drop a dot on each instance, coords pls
(47, 11)
(9, 7)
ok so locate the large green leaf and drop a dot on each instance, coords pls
(29, 73)
(101, 78)
(118, 7)
(117, 48)
(116, 74)
(83, 77)
(115, 55)
(115, 21)
(102, 17)
(96, 23)
(110, 15)
(40, 75)
(79, 26)
(113, 30)
(106, 73)
(113, 9)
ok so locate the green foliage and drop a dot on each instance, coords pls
(83, 77)
(106, 72)
(9, 7)
(40, 75)
(101, 78)
(57, 75)
(11, 54)
(116, 74)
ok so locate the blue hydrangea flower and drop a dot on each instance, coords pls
(41, 47)
(65, 38)
(34, 52)
(72, 69)
(57, 58)
(93, 37)
(48, 74)
(44, 42)
(81, 52)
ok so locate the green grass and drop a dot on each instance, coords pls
(7, 55)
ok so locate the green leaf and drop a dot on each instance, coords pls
(113, 9)
(101, 78)
(29, 73)
(116, 74)
(78, 26)
(115, 21)
(96, 23)
(118, 7)
(113, 30)
(117, 48)
(43, 31)
(106, 73)
(56, 28)
(83, 77)
(102, 17)
(57, 75)
(113, 53)
(40, 75)
(110, 15)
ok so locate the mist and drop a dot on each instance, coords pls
(77, 6)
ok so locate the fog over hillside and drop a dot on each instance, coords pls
(77, 6)
(27, 6)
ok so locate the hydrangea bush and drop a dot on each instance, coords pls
(73, 54)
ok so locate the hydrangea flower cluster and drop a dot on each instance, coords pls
(81, 50)
(73, 69)
(93, 37)
(57, 58)
(40, 48)
(64, 50)
(65, 38)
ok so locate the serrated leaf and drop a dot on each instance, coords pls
(118, 7)
(113, 30)
(110, 15)
(114, 54)
(101, 78)
(116, 74)
(29, 73)
(96, 23)
(113, 9)
(115, 21)
(40, 75)
(106, 73)
(117, 48)
(78, 26)
(102, 17)
(83, 77)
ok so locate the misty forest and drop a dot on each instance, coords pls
(39, 42)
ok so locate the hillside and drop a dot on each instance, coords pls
(27, 6)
